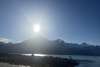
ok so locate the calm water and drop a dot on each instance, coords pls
(95, 60)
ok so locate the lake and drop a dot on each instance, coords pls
(85, 61)
(92, 61)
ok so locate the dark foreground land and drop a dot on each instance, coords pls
(36, 61)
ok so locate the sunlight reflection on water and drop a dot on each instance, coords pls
(42, 55)
(27, 54)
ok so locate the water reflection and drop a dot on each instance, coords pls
(27, 54)
(42, 55)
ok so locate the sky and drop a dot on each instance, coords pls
(74, 21)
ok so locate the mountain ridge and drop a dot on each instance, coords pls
(43, 45)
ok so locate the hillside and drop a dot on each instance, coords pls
(43, 45)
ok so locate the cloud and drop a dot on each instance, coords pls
(5, 40)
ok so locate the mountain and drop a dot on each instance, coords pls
(43, 45)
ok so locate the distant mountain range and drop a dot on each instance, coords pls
(45, 46)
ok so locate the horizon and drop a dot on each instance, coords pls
(5, 40)
(73, 21)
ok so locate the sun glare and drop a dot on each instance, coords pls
(36, 28)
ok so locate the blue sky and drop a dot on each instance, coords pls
(71, 20)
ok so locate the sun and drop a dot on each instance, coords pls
(36, 28)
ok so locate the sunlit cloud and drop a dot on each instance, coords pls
(5, 40)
